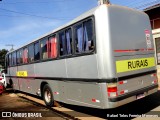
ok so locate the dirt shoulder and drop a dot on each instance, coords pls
(22, 109)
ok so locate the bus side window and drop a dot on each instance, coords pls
(65, 42)
(10, 60)
(52, 47)
(68, 37)
(31, 53)
(21, 56)
(79, 38)
(88, 35)
(25, 55)
(44, 52)
(84, 37)
(6, 64)
(18, 57)
(36, 51)
(62, 44)
(14, 58)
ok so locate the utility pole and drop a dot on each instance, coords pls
(11, 46)
(100, 2)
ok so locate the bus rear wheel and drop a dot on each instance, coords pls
(48, 96)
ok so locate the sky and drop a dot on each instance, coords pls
(22, 21)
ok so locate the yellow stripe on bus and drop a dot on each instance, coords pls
(134, 64)
(22, 74)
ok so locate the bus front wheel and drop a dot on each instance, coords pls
(48, 96)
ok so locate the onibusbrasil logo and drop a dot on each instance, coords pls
(21, 114)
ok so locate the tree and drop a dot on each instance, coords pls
(3, 52)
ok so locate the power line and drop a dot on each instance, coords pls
(34, 15)
(28, 16)
(137, 4)
(148, 4)
(36, 2)
(11, 45)
(12, 15)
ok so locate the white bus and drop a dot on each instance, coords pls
(102, 59)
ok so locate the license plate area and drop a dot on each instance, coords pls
(139, 96)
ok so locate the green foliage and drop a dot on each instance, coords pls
(3, 52)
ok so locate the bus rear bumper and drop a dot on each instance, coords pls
(132, 96)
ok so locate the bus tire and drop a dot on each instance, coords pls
(10, 83)
(48, 96)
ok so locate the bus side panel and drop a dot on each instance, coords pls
(25, 81)
(54, 69)
(12, 72)
(15, 84)
(89, 94)
(58, 89)
(7, 75)
(84, 93)
(82, 67)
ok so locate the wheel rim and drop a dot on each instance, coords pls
(47, 95)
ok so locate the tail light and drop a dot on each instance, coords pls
(154, 75)
(1, 78)
(112, 89)
(156, 78)
(154, 81)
